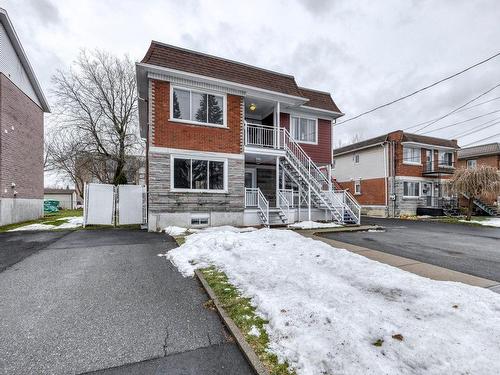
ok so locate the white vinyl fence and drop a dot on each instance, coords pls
(114, 205)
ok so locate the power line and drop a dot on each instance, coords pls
(483, 139)
(458, 108)
(460, 122)
(421, 89)
(461, 110)
(477, 130)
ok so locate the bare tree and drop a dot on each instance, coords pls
(96, 101)
(475, 182)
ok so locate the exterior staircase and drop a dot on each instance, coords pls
(486, 208)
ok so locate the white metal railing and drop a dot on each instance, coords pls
(263, 205)
(251, 197)
(261, 135)
(284, 205)
(288, 194)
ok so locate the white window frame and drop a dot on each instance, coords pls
(409, 162)
(472, 160)
(200, 216)
(412, 196)
(357, 184)
(315, 127)
(440, 159)
(192, 122)
(197, 157)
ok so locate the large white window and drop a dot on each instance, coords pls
(198, 174)
(411, 155)
(446, 158)
(411, 189)
(198, 107)
(304, 129)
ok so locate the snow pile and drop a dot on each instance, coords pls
(334, 312)
(175, 231)
(70, 222)
(492, 222)
(227, 228)
(312, 225)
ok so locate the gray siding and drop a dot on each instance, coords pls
(162, 200)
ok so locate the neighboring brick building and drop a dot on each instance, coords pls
(22, 105)
(229, 143)
(398, 173)
(487, 154)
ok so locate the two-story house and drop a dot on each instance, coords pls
(22, 105)
(398, 174)
(475, 156)
(230, 143)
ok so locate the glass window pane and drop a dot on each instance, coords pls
(217, 175)
(215, 109)
(181, 104)
(199, 106)
(200, 174)
(311, 131)
(182, 173)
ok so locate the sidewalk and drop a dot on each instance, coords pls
(406, 264)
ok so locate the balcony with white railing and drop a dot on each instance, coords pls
(265, 137)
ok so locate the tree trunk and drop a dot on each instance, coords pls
(469, 208)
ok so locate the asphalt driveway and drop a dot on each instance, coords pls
(103, 300)
(469, 249)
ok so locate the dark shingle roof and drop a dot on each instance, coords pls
(487, 149)
(362, 144)
(58, 191)
(319, 99)
(406, 137)
(177, 58)
(409, 137)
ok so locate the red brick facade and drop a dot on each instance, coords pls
(322, 152)
(372, 191)
(490, 160)
(21, 143)
(166, 133)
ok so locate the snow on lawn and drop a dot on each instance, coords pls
(69, 222)
(492, 222)
(335, 312)
(175, 231)
(312, 225)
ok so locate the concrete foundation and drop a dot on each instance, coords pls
(158, 221)
(15, 210)
(374, 211)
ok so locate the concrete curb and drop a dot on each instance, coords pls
(248, 352)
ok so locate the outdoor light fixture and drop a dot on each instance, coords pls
(253, 107)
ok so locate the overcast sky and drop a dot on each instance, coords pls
(364, 52)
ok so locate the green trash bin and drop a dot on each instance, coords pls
(50, 206)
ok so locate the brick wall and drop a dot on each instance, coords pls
(372, 191)
(491, 160)
(322, 152)
(21, 143)
(166, 133)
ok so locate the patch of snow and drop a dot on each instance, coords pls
(313, 225)
(228, 228)
(33, 227)
(333, 311)
(254, 331)
(70, 222)
(491, 222)
(175, 231)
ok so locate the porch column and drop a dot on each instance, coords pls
(277, 124)
(277, 180)
(329, 168)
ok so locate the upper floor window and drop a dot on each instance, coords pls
(198, 175)
(304, 130)
(356, 158)
(411, 155)
(471, 164)
(446, 158)
(197, 106)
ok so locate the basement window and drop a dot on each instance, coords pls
(201, 219)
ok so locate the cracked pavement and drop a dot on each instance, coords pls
(103, 301)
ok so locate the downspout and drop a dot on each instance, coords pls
(393, 172)
(384, 150)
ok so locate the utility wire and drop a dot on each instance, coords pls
(461, 110)
(460, 122)
(421, 89)
(474, 130)
(482, 139)
(458, 108)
